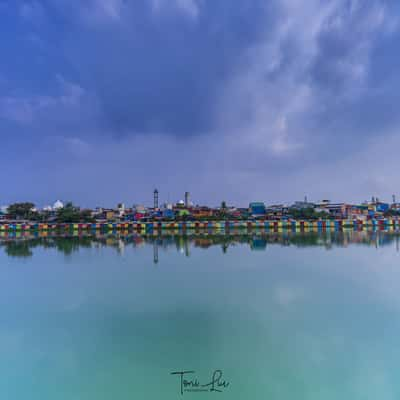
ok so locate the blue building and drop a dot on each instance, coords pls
(382, 207)
(168, 214)
(257, 209)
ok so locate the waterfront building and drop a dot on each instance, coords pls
(301, 205)
(168, 213)
(277, 210)
(234, 213)
(121, 211)
(257, 209)
(109, 214)
(58, 204)
(139, 209)
(395, 206)
(336, 210)
(381, 207)
(202, 212)
(3, 212)
(139, 212)
(168, 206)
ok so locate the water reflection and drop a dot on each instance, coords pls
(289, 319)
(23, 245)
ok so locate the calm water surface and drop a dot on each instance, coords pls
(282, 316)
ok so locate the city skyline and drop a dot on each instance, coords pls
(159, 202)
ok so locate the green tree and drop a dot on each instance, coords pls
(72, 214)
(86, 216)
(392, 213)
(307, 214)
(68, 213)
(22, 211)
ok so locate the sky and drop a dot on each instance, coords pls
(101, 101)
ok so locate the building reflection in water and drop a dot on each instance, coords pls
(155, 252)
(23, 245)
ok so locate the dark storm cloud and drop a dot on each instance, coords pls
(105, 99)
(160, 71)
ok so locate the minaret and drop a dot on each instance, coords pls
(155, 198)
(187, 199)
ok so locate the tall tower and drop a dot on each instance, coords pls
(394, 199)
(155, 198)
(187, 199)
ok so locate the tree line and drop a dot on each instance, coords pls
(68, 214)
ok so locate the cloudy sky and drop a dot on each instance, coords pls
(103, 100)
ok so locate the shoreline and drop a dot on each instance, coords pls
(298, 225)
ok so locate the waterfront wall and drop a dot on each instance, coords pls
(295, 225)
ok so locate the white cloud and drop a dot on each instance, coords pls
(108, 9)
(189, 8)
(271, 100)
(93, 13)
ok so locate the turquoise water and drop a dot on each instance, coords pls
(282, 316)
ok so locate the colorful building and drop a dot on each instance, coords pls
(257, 209)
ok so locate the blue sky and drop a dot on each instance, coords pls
(103, 100)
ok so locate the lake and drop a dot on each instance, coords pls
(261, 316)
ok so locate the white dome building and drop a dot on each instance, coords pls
(58, 204)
